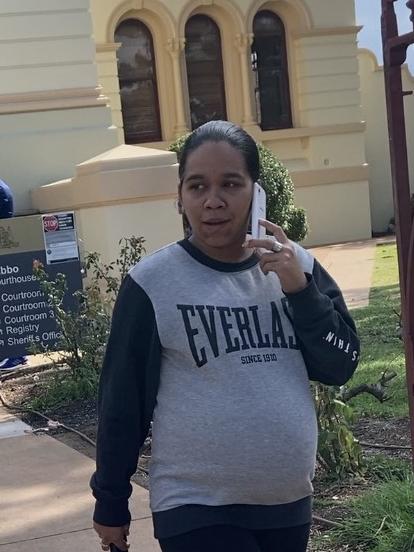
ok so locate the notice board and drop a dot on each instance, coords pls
(25, 314)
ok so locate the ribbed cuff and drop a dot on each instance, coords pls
(115, 514)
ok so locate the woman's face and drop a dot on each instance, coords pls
(216, 195)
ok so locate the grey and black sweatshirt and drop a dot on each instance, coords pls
(220, 358)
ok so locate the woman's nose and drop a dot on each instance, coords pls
(213, 201)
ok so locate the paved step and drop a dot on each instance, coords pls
(10, 426)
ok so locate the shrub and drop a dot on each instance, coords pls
(85, 329)
(279, 188)
(339, 453)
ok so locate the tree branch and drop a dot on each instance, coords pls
(327, 522)
(383, 446)
(377, 390)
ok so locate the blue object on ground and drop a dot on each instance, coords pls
(6, 201)
(9, 363)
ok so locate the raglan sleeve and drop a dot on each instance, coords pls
(325, 330)
(127, 394)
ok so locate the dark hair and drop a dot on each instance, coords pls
(222, 131)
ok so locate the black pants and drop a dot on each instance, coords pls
(227, 538)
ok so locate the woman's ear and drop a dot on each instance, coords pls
(180, 207)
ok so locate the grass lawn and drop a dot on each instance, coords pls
(379, 516)
(381, 349)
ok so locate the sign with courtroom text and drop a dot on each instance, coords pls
(26, 317)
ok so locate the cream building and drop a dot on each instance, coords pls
(317, 129)
(81, 77)
(377, 146)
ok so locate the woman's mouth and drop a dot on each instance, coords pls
(216, 222)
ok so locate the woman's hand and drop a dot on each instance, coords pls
(280, 258)
(112, 535)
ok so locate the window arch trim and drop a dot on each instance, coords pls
(294, 12)
(223, 8)
(130, 10)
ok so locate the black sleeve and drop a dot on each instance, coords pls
(127, 395)
(325, 330)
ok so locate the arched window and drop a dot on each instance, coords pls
(138, 83)
(271, 69)
(204, 70)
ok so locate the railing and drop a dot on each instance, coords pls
(395, 53)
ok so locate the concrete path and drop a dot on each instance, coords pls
(10, 426)
(351, 265)
(45, 502)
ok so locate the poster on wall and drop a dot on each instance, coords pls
(61, 242)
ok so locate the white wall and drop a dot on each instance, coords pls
(377, 145)
(46, 45)
(51, 114)
(102, 227)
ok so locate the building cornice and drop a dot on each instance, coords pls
(52, 100)
(325, 177)
(107, 47)
(328, 31)
(307, 132)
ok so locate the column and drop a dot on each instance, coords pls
(243, 44)
(176, 46)
(107, 64)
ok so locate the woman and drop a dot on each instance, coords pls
(215, 338)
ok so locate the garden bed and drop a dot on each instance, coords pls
(330, 497)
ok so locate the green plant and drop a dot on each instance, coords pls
(108, 277)
(279, 188)
(381, 520)
(381, 468)
(280, 192)
(61, 389)
(85, 329)
(381, 346)
(338, 451)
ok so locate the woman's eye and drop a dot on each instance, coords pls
(196, 186)
(231, 184)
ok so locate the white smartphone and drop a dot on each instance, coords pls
(258, 212)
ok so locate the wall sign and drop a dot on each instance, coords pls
(25, 315)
